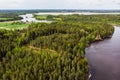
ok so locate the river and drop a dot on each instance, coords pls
(31, 18)
(104, 58)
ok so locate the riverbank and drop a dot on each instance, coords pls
(98, 40)
(104, 52)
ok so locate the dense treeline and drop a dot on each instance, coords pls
(9, 17)
(112, 19)
(54, 51)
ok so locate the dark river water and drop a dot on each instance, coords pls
(104, 58)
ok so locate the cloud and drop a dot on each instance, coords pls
(59, 4)
(118, 3)
(10, 3)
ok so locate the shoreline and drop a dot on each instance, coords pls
(108, 37)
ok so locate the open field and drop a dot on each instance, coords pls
(13, 25)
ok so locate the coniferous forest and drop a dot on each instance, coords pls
(50, 51)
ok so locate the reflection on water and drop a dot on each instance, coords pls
(104, 58)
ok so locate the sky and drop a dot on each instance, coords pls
(59, 4)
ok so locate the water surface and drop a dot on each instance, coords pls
(31, 18)
(104, 58)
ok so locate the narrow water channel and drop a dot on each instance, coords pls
(104, 58)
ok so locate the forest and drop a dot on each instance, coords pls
(110, 19)
(52, 51)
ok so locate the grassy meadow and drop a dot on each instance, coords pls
(13, 25)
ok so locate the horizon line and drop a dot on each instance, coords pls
(58, 9)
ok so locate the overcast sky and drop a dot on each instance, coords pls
(59, 4)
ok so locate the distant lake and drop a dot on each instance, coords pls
(80, 13)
